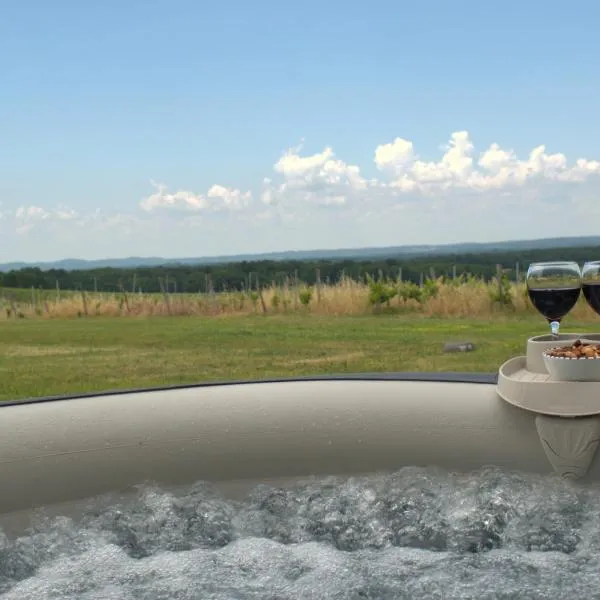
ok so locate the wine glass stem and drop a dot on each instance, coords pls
(554, 327)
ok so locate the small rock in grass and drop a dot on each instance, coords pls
(459, 347)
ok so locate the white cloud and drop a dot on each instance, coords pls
(65, 214)
(320, 200)
(31, 213)
(323, 179)
(228, 198)
(27, 218)
(320, 179)
(217, 198)
(494, 168)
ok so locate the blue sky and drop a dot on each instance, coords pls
(98, 100)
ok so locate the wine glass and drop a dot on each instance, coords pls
(590, 283)
(554, 289)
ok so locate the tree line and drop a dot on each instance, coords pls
(253, 274)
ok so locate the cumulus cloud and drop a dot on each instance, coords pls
(34, 213)
(318, 179)
(27, 218)
(462, 182)
(217, 198)
(459, 167)
(322, 178)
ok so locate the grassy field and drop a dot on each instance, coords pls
(52, 356)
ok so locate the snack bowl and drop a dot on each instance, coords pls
(579, 361)
(538, 344)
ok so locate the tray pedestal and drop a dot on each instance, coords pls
(569, 444)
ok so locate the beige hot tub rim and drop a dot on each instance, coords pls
(60, 449)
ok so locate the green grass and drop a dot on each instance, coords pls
(48, 357)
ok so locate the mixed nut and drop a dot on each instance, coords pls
(577, 350)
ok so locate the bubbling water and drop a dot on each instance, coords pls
(417, 533)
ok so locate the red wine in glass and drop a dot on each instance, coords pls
(554, 288)
(554, 304)
(590, 283)
(591, 291)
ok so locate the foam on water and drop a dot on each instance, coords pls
(419, 533)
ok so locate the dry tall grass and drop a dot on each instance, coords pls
(470, 298)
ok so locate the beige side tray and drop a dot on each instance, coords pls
(566, 412)
(538, 393)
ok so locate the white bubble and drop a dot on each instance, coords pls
(418, 533)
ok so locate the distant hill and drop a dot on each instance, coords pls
(72, 264)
